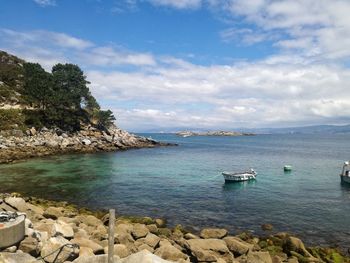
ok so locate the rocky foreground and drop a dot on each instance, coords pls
(50, 225)
(16, 145)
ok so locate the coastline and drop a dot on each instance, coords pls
(68, 224)
(17, 146)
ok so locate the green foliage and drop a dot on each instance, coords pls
(11, 118)
(38, 86)
(58, 99)
(105, 119)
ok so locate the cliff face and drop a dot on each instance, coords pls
(11, 81)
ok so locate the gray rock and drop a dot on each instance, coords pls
(64, 229)
(95, 259)
(213, 233)
(18, 257)
(144, 256)
(54, 244)
(152, 240)
(31, 246)
(86, 141)
(139, 231)
(53, 212)
(16, 202)
(259, 257)
(120, 250)
(209, 249)
(169, 252)
(84, 242)
(237, 246)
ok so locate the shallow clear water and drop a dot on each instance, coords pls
(184, 183)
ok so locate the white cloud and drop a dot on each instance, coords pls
(179, 4)
(45, 2)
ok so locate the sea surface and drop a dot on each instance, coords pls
(184, 183)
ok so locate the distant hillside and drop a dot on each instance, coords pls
(319, 129)
(32, 97)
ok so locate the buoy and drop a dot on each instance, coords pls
(12, 228)
(287, 168)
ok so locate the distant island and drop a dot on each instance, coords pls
(213, 133)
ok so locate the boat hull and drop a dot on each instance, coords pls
(232, 178)
(345, 179)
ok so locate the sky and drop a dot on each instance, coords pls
(167, 65)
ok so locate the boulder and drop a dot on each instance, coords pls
(190, 236)
(120, 250)
(295, 244)
(64, 229)
(209, 249)
(46, 226)
(160, 222)
(35, 209)
(213, 233)
(266, 227)
(17, 203)
(169, 252)
(139, 231)
(84, 242)
(152, 240)
(259, 257)
(95, 259)
(143, 256)
(54, 244)
(31, 246)
(18, 257)
(85, 252)
(53, 212)
(237, 246)
(86, 141)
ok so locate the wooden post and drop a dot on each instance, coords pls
(111, 236)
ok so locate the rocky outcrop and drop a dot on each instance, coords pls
(82, 238)
(15, 145)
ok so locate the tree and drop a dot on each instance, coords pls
(38, 85)
(105, 119)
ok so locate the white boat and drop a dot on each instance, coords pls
(240, 176)
(345, 174)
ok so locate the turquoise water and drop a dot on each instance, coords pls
(184, 183)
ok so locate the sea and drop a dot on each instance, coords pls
(184, 183)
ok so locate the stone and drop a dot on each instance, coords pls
(18, 257)
(120, 250)
(266, 227)
(145, 246)
(237, 246)
(160, 222)
(53, 212)
(35, 209)
(295, 244)
(86, 141)
(209, 249)
(64, 229)
(31, 246)
(17, 203)
(32, 131)
(11, 249)
(169, 252)
(96, 259)
(86, 252)
(84, 242)
(46, 226)
(91, 220)
(139, 231)
(152, 228)
(213, 233)
(190, 236)
(152, 240)
(259, 257)
(144, 256)
(55, 243)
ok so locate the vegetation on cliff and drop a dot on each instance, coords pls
(32, 97)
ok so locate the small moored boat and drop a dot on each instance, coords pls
(345, 174)
(239, 176)
(287, 168)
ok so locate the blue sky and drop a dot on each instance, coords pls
(210, 64)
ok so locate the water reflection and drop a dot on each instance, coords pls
(238, 185)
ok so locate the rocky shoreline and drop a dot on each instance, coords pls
(16, 145)
(50, 225)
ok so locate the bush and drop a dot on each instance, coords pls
(11, 118)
